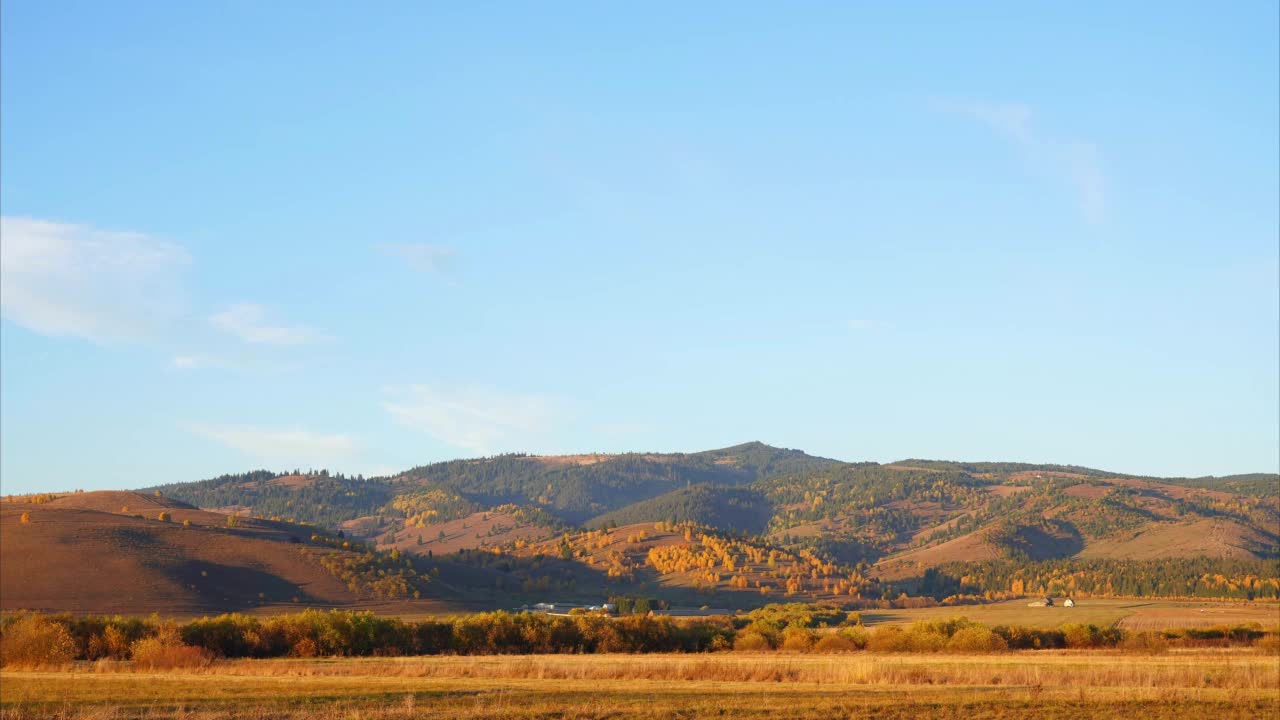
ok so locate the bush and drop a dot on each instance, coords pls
(810, 615)
(35, 640)
(111, 644)
(233, 635)
(1149, 643)
(768, 629)
(888, 639)
(796, 639)
(834, 643)
(166, 650)
(305, 648)
(976, 639)
(750, 641)
(925, 641)
(857, 635)
(1080, 636)
(1025, 638)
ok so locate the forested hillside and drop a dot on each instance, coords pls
(315, 496)
(574, 489)
(727, 508)
(578, 488)
(803, 525)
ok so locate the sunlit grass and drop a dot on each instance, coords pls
(776, 686)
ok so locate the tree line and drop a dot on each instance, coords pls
(36, 639)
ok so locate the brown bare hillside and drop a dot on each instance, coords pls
(562, 460)
(116, 500)
(293, 481)
(477, 530)
(146, 506)
(68, 556)
(1006, 490)
(966, 548)
(1172, 491)
(1208, 538)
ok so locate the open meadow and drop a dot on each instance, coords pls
(1235, 683)
(1131, 614)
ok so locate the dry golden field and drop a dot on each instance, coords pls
(1241, 683)
(1131, 614)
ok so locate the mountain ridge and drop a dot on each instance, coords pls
(734, 525)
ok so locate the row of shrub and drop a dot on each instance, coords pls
(36, 639)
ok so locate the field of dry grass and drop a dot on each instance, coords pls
(1131, 614)
(1060, 684)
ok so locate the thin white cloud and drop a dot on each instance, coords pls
(1084, 167)
(281, 447)
(248, 322)
(1078, 164)
(862, 324)
(483, 420)
(191, 362)
(422, 257)
(71, 280)
(1011, 119)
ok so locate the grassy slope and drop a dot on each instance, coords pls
(80, 553)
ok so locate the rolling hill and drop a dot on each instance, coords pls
(735, 526)
(902, 517)
(134, 553)
(726, 508)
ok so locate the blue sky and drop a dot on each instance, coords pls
(312, 234)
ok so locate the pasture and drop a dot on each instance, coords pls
(1046, 684)
(1131, 614)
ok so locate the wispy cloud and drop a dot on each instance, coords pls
(422, 257)
(1076, 163)
(281, 447)
(483, 420)
(863, 324)
(249, 322)
(1084, 167)
(71, 280)
(194, 362)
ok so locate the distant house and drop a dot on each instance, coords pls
(564, 608)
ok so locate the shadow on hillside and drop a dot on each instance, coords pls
(1040, 544)
(509, 581)
(228, 587)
